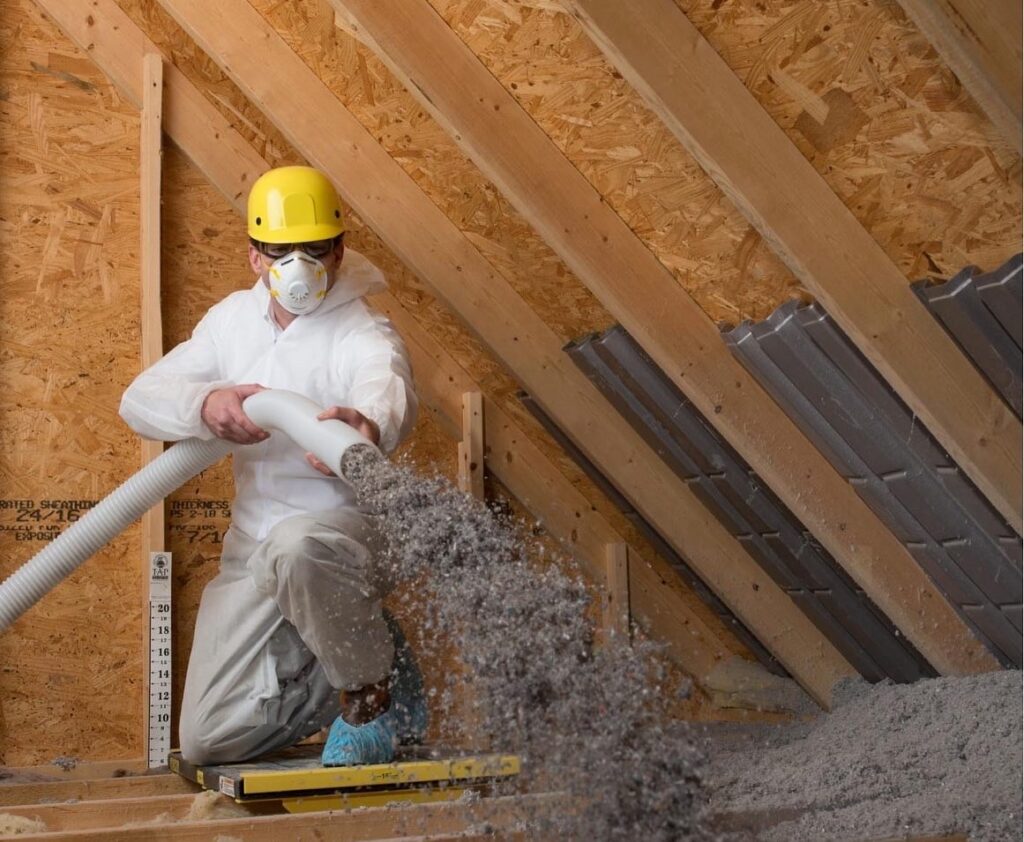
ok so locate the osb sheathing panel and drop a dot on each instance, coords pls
(854, 84)
(861, 92)
(381, 103)
(72, 669)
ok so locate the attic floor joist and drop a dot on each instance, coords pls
(127, 813)
(323, 130)
(516, 154)
(200, 130)
(654, 45)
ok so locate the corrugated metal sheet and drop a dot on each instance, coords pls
(780, 544)
(982, 312)
(660, 545)
(841, 403)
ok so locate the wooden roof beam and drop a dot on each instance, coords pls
(980, 40)
(710, 111)
(419, 233)
(509, 147)
(415, 229)
(203, 133)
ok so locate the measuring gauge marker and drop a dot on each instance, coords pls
(159, 714)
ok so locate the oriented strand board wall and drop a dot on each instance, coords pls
(72, 669)
(71, 683)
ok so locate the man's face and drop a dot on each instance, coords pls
(330, 256)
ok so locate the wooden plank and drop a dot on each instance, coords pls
(654, 46)
(615, 607)
(97, 813)
(153, 524)
(515, 460)
(471, 447)
(981, 42)
(487, 122)
(84, 769)
(433, 821)
(89, 789)
(430, 244)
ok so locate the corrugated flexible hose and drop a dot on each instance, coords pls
(273, 410)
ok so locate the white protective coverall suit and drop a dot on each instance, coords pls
(294, 615)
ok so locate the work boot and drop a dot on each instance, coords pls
(359, 745)
(408, 699)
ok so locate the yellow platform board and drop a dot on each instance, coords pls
(297, 779)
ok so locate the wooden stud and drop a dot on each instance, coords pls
(471, 448)
(654, 45)
(516, 461)
(981, 42)
(435, 249)
(615, 614)
(153, 525)
(508, 146)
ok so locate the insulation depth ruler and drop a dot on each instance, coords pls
(159, 705)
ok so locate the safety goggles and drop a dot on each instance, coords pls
(316, 248)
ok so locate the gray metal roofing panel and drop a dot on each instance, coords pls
(769, 532)
(1003, 293)
(649, 387)
(922, 481)
(983, 314)
(827, 387)
(817, 608)
(992, 622)
(686, 573)
(879, 402)
(652, 432)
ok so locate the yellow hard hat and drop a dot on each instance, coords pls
(294, 205)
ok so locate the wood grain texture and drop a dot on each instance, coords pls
(653, 45)
(524, 163)
(428, 242)
(981, 41)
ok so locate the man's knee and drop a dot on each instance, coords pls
(293, 549)
(202, 741)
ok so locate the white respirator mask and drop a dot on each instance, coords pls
(298, 282)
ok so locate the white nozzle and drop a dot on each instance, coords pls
(296, 416)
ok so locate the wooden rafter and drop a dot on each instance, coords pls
(981, 42)
(654, 46)
(506, 144)
(416, 230)
(430, 244)
(514, 459)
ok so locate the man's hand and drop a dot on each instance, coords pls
(222, 413)
(352, 417)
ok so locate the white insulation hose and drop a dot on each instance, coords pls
(273, 410)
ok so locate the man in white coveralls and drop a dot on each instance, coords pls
(290, 635)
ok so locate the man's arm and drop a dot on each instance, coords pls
(382, 400)
(166, 401)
